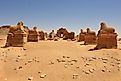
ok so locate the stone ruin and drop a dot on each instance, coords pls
(106, 38)
(90, 37)
(41, 35)
(51, 35)
(33, 35)
(70, 35)
(16, 35)
(63, 33)
(82, 36)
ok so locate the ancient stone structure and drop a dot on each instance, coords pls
(16, 36)
(70, 35)
(33, 35)
(107, 38)
(41, 35)
(63, 33)
(52, 35)
(82, 35)
(90, 37)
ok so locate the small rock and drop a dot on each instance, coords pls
(94, 58)
(87, 64)
(51, 62)
(36, 60)
(119, 69)
(5, 61)
(20, 67)
(65, 66)
(14, 69)
(68, 57)
(104, 58)
(30, 78)
(118, 60)
(58, 60)
(112, 64)
(25, 64)
(24, 49)
(118, 63)
(19, 56)
(42, 75)
(75, 60)
(29, 61)
(87, 72)
(17, 60)
(105, 61)
(91, 70)
(64, 56)
(103, 70)
(39, 72)
(109, 70)
(77, 66)
(75, 76)
(119, 66)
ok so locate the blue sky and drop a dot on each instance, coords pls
(52, 14)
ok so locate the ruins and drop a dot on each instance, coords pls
(90, 37)
(16, 35)
(82, 35)
(63, 33)
(106, 38)
(33, 35)
(41, 35)
(19, 34)
(52, 35)
(70, 35)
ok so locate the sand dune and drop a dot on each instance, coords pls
(59, 61)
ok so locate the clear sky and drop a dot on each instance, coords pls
(52, 14)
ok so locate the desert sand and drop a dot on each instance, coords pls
(59, 61)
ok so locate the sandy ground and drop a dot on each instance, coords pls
(59, 61)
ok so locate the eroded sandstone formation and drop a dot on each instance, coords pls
(63, 33)
(41, 35)
(90, 37)
(16, 35)
(107, 38)
(82, 35)
(51, 35)
(33, 35)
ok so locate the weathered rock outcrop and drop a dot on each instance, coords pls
(63, 33)
(41, 35)
(33, 35)
(90, 37)
(16, 35)
(107, 38)
(82, 36)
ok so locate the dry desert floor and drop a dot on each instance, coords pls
(59, 61)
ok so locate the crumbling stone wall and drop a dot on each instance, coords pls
(107, 38)
(41, 35)
(62, 32)
(16, 36)
(82, 36)
(33, 35)
(70, 35)
(90, 37)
